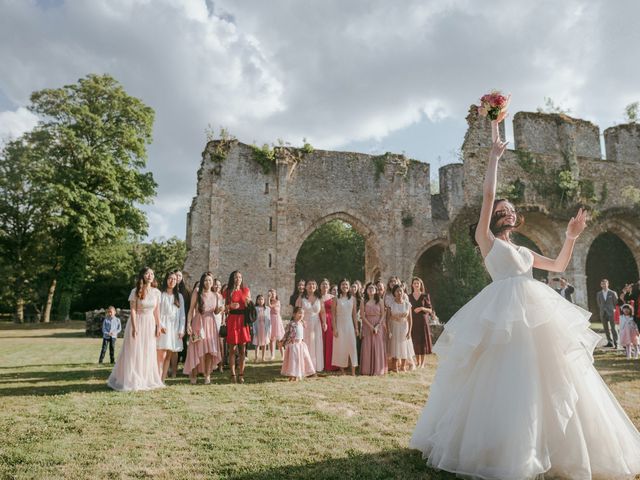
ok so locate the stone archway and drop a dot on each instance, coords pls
(372, 257)
(609, 257)
(428, 266)
(623, 226)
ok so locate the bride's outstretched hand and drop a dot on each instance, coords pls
(577, 224)
(497, 149)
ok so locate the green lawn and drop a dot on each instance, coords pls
(59, 420)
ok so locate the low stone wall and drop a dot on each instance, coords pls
(94, 318)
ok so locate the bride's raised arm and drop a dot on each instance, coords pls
(559, 264)
(484, 237)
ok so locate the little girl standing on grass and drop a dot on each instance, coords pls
(628, 331)
(261, 327)
(297, 361)
(277, 328)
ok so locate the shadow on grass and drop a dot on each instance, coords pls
(23, 383)
(403, 464)
(615, 368)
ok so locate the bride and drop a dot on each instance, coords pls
(516, 395)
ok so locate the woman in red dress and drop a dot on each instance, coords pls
(238, 335)
(327, 335)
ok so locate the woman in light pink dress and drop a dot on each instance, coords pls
(204, 348)
(277, 328)
(373, 355)
(137, 367)
(297, 362)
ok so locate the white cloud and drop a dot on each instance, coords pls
(15, 123)
(334, 72)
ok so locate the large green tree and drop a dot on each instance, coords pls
(26, 200)
(91, 141)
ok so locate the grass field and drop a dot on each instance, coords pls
(59, 420)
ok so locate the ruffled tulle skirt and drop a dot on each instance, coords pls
(297, 361)
(516, 394)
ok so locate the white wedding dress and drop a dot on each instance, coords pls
(516, 395)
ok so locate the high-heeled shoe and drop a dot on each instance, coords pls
(233, 378)
(241, 378)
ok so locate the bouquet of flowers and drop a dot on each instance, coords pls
(493, 104)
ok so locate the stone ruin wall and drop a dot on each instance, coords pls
(243, 218)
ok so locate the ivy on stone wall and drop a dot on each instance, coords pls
(561, 187)
(265, 157)
(399, 161)
(221, 144)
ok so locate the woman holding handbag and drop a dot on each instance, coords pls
(204, 348)
(237, 299)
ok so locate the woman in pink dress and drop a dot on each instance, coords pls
(204, 350)
(277, 328)
(137, 367)
(327, 336)
(237, 296)
(373, 355)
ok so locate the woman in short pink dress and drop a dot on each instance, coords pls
(137, 367)
(203, 352)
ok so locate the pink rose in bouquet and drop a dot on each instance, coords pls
(493, 104)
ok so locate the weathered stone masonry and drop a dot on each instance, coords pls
(243, 218)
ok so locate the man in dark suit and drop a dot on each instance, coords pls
(564, 288)
(606, 300)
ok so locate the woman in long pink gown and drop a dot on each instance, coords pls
(137, 367)
(327, 335)
(373, 355)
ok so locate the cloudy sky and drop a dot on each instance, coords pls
(359, 75)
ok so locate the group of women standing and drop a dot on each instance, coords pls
(376, 327)
(207, 323)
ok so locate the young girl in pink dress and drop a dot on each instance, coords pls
(277, 328)
(137, 367)
(261, 327)
(628, 331)
(203, 352)
(297, 361)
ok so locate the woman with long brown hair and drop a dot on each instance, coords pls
(137, 367)
(238, 335)
(204, 349)
(422, 309)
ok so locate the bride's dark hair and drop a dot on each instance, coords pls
(493, 224)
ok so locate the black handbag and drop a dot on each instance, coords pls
(249, 313)
(223, 331)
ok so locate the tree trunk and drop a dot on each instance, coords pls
(46, 318)
(64, 306)
(19, 316)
